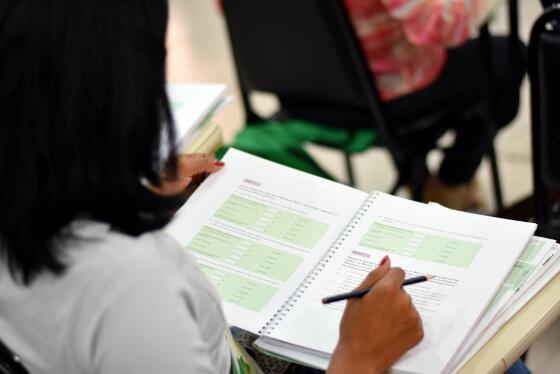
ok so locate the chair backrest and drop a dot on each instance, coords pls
(303, 51)
(544, 59)
(10, 363)
(294, 48)
(547, 78)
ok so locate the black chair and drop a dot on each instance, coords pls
(306, 53)
(544, 59)
(10, 363)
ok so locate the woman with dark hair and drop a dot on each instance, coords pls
(88, 283)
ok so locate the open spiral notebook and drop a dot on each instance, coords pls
(274, 241)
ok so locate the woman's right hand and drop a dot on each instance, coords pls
(377, 329)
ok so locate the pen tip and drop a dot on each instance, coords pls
(429, 277)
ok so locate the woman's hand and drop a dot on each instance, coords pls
(379, 328)
(192, 169)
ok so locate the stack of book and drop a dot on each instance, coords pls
(194, 105)
(275, 241)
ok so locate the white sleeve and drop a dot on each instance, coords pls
(148, 325)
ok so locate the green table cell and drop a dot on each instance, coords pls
(518, 275)
(499, 295)
(451, 252)
(532, 249)
(386, 238)
(238, 290)
(433, 248)
(176, 105)
(278, 223)
(245, 254)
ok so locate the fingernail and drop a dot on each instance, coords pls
(219, 163)
(384, 261)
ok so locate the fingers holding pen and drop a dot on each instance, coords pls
(379, 327)
(375, 275)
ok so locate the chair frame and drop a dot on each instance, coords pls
(545, 211)
(10, 363)
(484, 38)
(335, 7)
(374, 104)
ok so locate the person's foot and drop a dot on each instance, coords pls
(464, 196)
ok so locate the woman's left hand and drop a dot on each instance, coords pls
(192, 169)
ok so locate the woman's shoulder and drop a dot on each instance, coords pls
(149, 280)
(94, 246)
(115, 286)
(100, 257)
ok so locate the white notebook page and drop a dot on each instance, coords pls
(548, 272)
(469, 255)
(257, 229)
(192, 103)
(526, 269)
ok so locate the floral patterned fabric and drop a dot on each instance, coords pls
(406, 41)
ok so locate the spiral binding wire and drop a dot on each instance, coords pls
(314, 273)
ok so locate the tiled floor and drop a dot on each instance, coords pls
(199, 52)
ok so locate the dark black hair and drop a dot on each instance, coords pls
(83, 110)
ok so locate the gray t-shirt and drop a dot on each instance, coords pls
(124, 305)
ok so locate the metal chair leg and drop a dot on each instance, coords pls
(349, 169)
(418, 176)
(496, 179)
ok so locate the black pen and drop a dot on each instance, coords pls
(360, 293)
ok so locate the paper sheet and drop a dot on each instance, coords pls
(526, 268)
(469, 255)
(548, 271)
(192, 104)
(257, 229)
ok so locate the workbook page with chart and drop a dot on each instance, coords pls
(546, 271)
(257, 229)
(528, 266)
(468, 255)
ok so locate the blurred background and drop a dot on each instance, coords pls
(198, 51)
